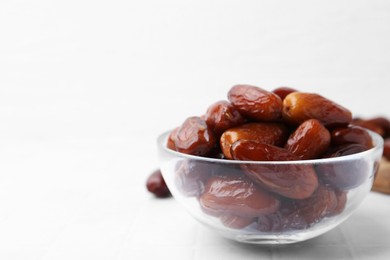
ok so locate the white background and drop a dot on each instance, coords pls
(87, 86)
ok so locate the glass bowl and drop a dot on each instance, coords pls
(225, 195)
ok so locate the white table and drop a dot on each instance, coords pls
(87, 86)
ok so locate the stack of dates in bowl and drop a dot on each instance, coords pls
(270, 167)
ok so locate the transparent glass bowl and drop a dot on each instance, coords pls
(343, 184)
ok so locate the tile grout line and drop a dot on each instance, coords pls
(129, 233)
(349, 245)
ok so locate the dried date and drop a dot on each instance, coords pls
(156, 185)
(238, 196)
(221, 116)
(310, 140)
(351, 134)
(297, 181)
(269, 133)
(256, 103)
(300, 106)
(194, 137)
(300, 214)
(282, 92)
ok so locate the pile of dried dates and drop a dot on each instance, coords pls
(282, 125)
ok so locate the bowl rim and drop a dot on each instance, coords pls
(377, 140)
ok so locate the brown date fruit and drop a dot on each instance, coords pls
(221, 116)
(292, 181)
(171, 139)
(386, 148)
(191, 176)
(282, 92)
(310, 140)
(156, 185)
(351, 134)
(269, 133)
(194, 137)
(249, 150)
(344, 175)
(341, 202)
(322, 203)
(300, 214)
(299, 107)
(236, 195)
(256, 103)
(370, 126)
(236, 222)
(343, 150)
(383, 122)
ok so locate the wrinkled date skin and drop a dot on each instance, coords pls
(282, 92)
(341, 202)
(291, 181)
(236, 222)
(301, 214)
(343, 150)
(156, 185)
(249, 150)
(344, 175)
(221, 116)
(256, 103)
(269, 133)
(351, 134)
(236, 195)
(194, 137)
(192, 175)
(171, 139)
(299, 107)
(310, 140)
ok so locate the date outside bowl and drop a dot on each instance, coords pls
(223, 196)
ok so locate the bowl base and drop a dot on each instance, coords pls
(267, 241)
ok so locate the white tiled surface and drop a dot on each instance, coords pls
(86, 86)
